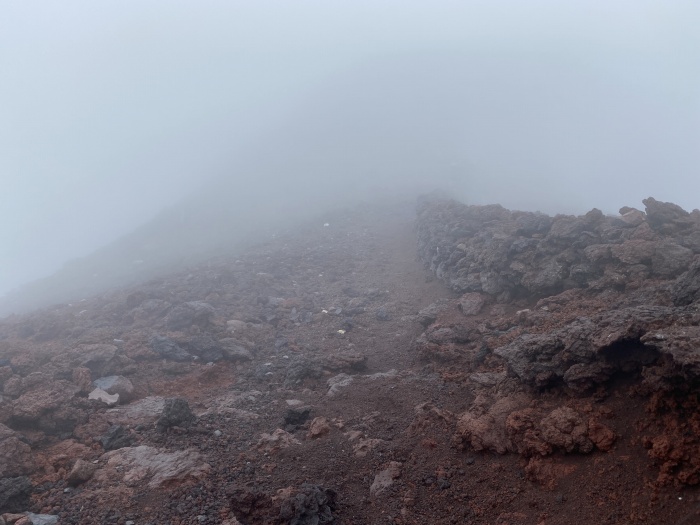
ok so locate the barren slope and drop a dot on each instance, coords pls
(524, 369)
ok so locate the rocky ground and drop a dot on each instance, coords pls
(523, 369)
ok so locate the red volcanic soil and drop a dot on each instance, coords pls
(461, 365)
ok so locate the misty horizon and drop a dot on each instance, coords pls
(112, 116)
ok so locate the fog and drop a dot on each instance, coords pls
(220, 117)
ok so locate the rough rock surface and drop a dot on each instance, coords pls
(119, 385)
(311, 505)
(156, 467)
(15, 456)
(526, 369)
(176, 413)
(14, 494)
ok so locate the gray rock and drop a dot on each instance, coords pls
(632, 217)
(311, 505)
(337, 383)
(169, 349)
(116, 437)
(670, 259)
(300, 368)
(14, 494)
(206, 348)
(233, 350)
(382, 314)
(531, 223)
(471, 303)
(193, 313)
(686, 289)
(42, 519)
(661, 213)
(429, 314)
(587, 351)
(297, 415)
(176, 413)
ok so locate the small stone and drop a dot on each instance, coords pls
(81, 472)
(471, 303)
(100, 395)
(42, 519)
(319, 427)
(217, 433)
(297, 415)
(382, 314)
(384, 479)
(116, 437)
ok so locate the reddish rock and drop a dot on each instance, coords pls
(279, 439)
(318, 427)
(600, 435)
(564, 428)
(34, 405)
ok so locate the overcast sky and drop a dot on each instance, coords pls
(112, 110)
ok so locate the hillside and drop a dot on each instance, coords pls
(409, 364)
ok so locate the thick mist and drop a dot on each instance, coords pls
(149, 133)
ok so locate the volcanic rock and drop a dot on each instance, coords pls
(14, 494)
(81, 472)
(153, 466)
(169, 349)
(310, 505)
(193, 313)
(119, 385)
(15, 456)
(100, 395)
(116, 437)
(176, 413)
(385, 478)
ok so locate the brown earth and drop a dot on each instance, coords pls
(539, 379)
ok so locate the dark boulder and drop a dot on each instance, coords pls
(116, 437)
(169, 349)
(311, 505)
(205, 347)
(193, 313)
(14, 494)
(176, 413)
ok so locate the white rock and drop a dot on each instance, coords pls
(101, 395)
